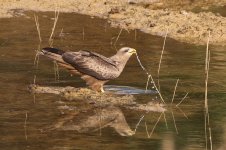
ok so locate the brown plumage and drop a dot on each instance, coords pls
(94, 68)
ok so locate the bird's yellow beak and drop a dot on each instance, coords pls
(132, 51)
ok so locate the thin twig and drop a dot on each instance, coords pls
(146, 128)
(160, 95)
(164, 115)
(36, 60)
(141, 118)
(138, 59)
(207, 62)
(160, 60)
(182, 112)
(206, 139)
(174, 92)
(57, 12)
(155, 124)
(118, 36)
(182, 99)
(147, 83)
(37, 27)
(34, 81)
(210, 136)
(149, 76)
(174, 122)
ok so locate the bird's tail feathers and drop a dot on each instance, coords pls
(56, 55)
(53, 50)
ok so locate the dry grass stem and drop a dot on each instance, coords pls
(34, 81)
(149, 76)
(174, 122)
(155, 125)
(141, 118)
(127, 30)
(206, 139)
(25, 126)
(164, 116)
(207, 125)
(174, 92)
(138, 59)
(147, 83)
(118, 36)
(38, 28)
(210, 136)
(160, 60)
(160, 95)
(36, 60)
(182, 112)
(207, 61)
(57, 12)
(182, 99)
(146, 128)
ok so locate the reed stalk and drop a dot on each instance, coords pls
(206, 115)
(152, 131)
(160, 60)
(57, 12)
(118, 36)
(174, 92)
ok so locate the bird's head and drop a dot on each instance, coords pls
(126, 51)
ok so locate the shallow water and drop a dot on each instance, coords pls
(18, 42)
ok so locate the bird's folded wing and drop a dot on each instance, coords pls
(110, 61)
(92, 64)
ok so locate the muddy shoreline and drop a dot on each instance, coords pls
(150, 16)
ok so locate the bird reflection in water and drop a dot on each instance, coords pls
(93, 120)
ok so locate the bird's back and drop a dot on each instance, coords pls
(92, 64)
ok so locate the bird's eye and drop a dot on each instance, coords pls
(126, 50)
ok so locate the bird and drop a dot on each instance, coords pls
(95, 69)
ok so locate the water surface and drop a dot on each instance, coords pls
(18, 42)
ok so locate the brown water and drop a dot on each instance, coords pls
(18, 42)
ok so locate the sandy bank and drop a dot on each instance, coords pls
(151, 16)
